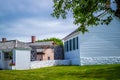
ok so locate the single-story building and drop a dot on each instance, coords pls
(18, 55)
(101, 45)
(14, 55)
(42, 51)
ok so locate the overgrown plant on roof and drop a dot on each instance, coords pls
(57, 41)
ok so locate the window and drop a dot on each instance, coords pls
(70, 45)
(0, 55)
(67, 46)
(48, 58)
(76, 42)
(73, 43)
(8, 55)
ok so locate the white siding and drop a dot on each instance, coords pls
(101, 42)
(22, 59)
(73, 55)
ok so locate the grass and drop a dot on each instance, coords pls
(96, 72)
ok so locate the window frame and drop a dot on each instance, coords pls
(70, 44)
(73, 43)
(77, 42)
(67, 47)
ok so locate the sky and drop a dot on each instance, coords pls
(21, 19)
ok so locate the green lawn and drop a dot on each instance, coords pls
(98, 72)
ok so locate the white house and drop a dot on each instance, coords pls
(101, 45)
(14, 55)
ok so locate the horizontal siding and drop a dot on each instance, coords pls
(101, 41)
(74, 56)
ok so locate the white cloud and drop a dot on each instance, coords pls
(41, 28)
(22, 6)
(16, 24)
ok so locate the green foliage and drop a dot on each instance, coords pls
(56, 40)
(98, 72)
(84, 11)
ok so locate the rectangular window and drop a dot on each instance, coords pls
(7, 55)
(77, 42)
(67, 46)
(48, 58)
(73, 43)
(70, 45)
(0, 55)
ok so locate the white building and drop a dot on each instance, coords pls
(101, 45)
(14, 55)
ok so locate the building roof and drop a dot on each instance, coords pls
(41, 45)
(11, 44)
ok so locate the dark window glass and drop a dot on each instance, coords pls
(73, 43)
(48, 58)
(77, 42)
(67, 46)
(70, 45)
(8, 55)
(0, 55)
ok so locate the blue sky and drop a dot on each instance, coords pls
(20, 19)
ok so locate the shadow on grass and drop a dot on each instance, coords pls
(112, 73)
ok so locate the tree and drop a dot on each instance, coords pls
(85, 11)
(56, 40)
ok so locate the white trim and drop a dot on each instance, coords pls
(72, 36)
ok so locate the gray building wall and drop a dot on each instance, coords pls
(58, 53)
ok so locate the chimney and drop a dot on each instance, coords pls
(4, 39)
(33, 39)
